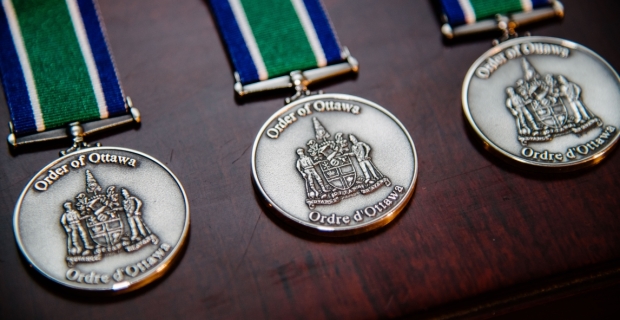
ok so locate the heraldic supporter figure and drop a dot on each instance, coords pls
(95, 226)
(547, 107)
(337, 176)
(132, 206)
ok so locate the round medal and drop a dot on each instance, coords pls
(102, 219)
(544, 102)
(335, 164)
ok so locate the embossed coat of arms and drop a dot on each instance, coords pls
(547, 106)
(99, 223)
(334, 170)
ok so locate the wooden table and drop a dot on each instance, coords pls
(479, 238)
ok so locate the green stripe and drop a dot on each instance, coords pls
(61, 77)
(489, 8)
(280, 37)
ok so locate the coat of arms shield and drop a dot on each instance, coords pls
(553, 116)
(339, 172)
(106, 233)
(546, 106)
(335, 158)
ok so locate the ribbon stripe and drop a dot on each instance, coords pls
(324, 31)
(18, 85)
(459, 12)
(103, 58)
(63, 66)
(270, 38)
(313, 38)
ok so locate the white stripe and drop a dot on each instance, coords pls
(248, 36)
(468, 11)
(527, 5)
(16, 33)
(87, 53)
(313, 38)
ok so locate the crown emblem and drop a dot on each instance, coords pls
(339, 165)
(547, 106)
(99, 223)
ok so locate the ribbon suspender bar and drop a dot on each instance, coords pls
(306, 77)
(467, 17)
(272, 44)
(68, 132)
(58, 76)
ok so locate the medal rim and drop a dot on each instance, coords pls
(489, 145)
(156, 273)
(324, 230)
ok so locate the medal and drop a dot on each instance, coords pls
(330, 164)
(98, 218)
(542, 102)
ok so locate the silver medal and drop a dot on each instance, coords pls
(102, 219)
(544, 102)
(335, 164)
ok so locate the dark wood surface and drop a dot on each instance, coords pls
(479, 238)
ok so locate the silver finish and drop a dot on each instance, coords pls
(301, 87)
(102, 219)
(87, 127)
(501, 22)
(309, 76)
(300, 83)
(544, 102)
(77, 132)
(334, 164)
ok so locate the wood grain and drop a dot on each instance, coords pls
(476, 228)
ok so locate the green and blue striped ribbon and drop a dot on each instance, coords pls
(461, 12)
(270, 38)
(56, 66)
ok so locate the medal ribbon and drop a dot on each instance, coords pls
(55, 64)
(459, 12)
(270, 38)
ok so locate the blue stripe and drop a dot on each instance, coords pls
(14, 82)
(107, 73)
(540, 3)
(324, 31)
(453, 11)
(237, 49)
